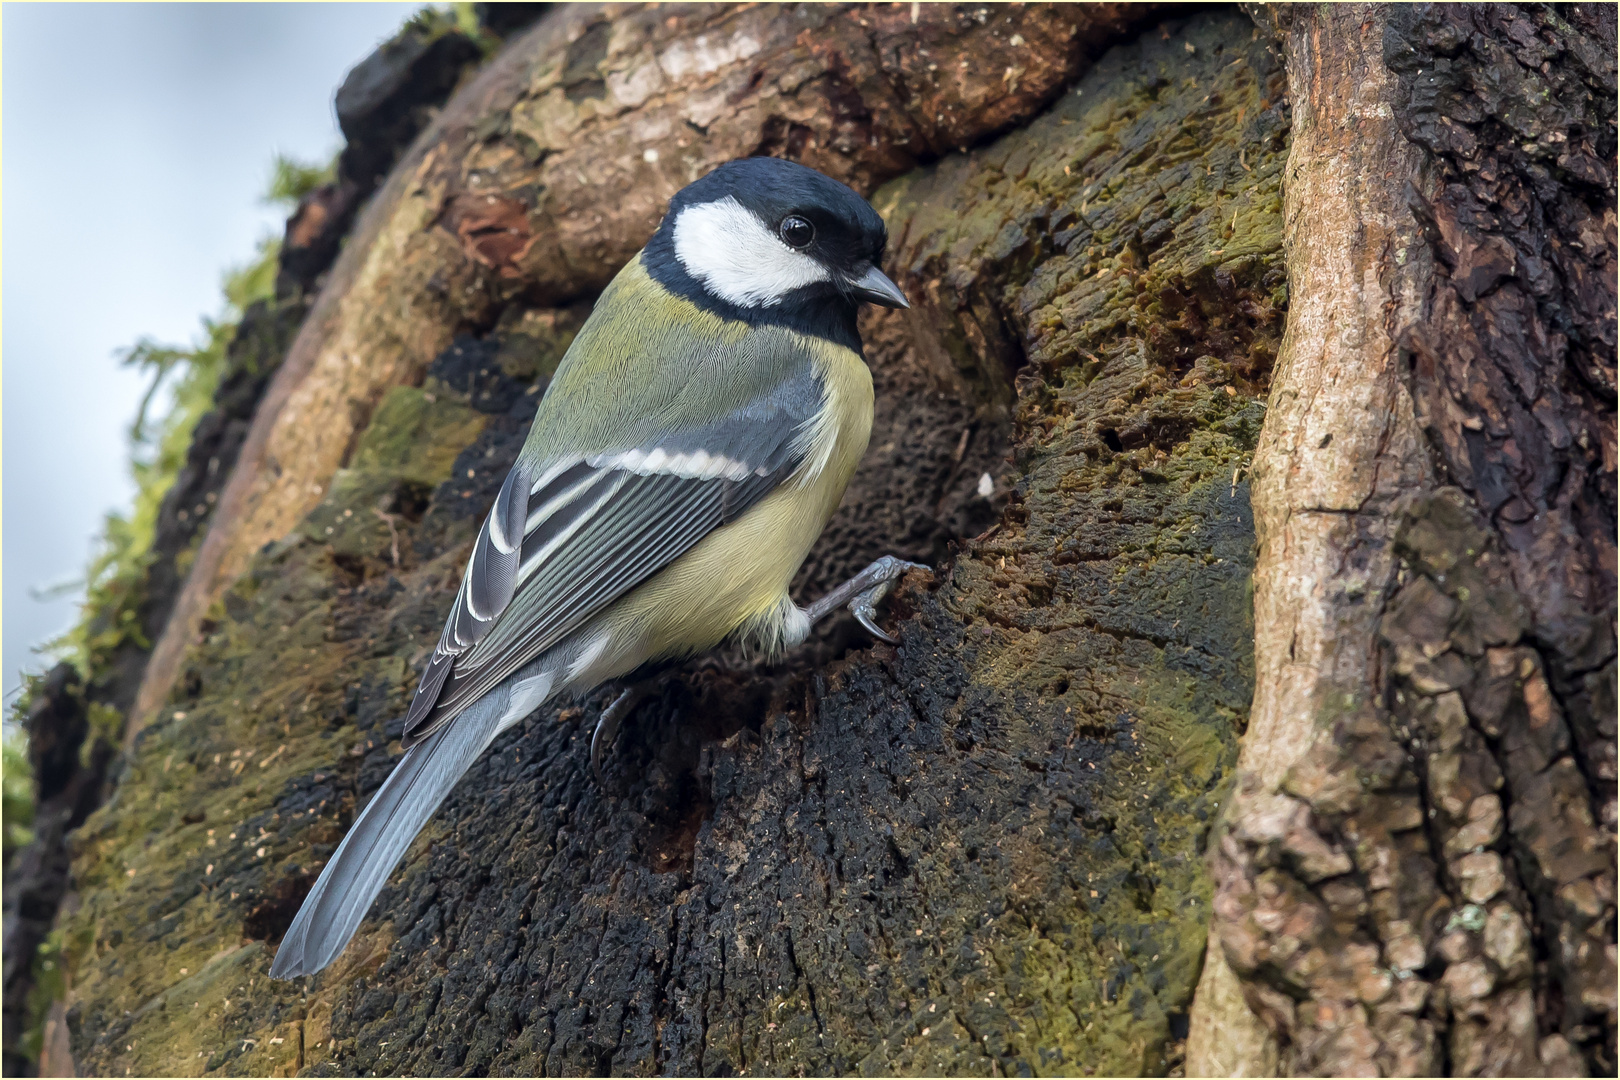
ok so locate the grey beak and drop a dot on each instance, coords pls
(875, 287)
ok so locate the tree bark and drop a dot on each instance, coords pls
(503, 198)
(1416, 873)
(997, 847)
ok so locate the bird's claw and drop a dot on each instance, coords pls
(607, 728)
(864, 607)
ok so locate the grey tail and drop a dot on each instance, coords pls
(358, 869)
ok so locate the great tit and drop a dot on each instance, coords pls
(697, 436)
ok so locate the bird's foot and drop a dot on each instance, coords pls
(607, 725)
(863, 592)
(864, 608)
(621, 709)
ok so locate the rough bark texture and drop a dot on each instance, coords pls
(503, 197)
(998, 846)
(1416, 874)
(382, 105)
(404, 80)
(400, 84)
(979, 851)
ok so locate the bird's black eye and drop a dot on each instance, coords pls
(797, 232)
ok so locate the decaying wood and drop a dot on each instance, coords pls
(995, 848)
(977, 851)
(382, 105)
(548, 172)
(1416, 872)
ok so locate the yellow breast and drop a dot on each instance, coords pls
(739, 573)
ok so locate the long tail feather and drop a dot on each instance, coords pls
(378, 839)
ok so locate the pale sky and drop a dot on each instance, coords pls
(136, 143)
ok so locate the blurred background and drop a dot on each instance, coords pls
(138, 143)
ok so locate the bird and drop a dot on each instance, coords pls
(695, 439)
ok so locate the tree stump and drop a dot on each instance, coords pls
(1357, 721)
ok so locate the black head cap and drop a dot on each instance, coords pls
(848, 230)
(769, 240)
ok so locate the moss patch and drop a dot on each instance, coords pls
(1130, 242)
(194, 864)
(979, 851)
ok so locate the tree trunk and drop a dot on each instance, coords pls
(983, 850)
(1416, 873)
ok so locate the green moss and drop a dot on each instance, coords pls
(433, 21)
(291, 179)
(415, 436)
(1101, 636)
(17, 793)
(533, 341)
(49, 973)
(1133, 238)
(115, 581)
(466, 20)
(1129, 244)
(173, 873)
(116, 578)
(392, 471)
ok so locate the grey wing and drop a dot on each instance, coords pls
(560, 546)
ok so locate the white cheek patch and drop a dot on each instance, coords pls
(737, 258)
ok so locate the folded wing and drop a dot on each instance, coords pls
(567, 538)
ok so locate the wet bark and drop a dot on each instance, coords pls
(1416, 874)
(987, 849)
